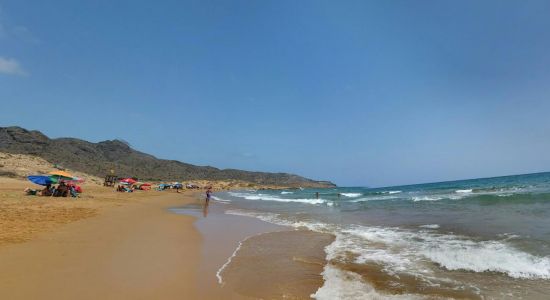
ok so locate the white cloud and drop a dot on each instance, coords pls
(10, 66)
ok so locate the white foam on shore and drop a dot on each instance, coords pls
(220, 270)
(402, 250)
(488, 256)
(220, 200)
(346, 285)
(373, 198)
(351, 195)
(430, 226)
(277, 220)
(264, 197)
(392, 192)
(426, 198)
(405, 250)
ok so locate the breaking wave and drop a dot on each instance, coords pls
(265, 197)
(351, 195)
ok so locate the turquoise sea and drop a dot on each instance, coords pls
(483, 238)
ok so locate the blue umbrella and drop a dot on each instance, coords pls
(40, 179)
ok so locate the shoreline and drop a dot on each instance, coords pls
(248, 258)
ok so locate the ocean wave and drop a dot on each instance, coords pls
(277, 220)
(351, 195)
(267, 217)
(373, 198)
(403, 249)
(430, 226)
(265, 197)
(220, 199)
(286, 193)
(391, 192)
(464, 191)
(418, 253)
(427, 198)
(488, 256)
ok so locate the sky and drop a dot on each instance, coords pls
(361, 93)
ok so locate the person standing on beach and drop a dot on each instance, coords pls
(208, 194)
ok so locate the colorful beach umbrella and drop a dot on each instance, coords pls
(61, 174)
(58, 176)
(128, 180)
(40, 179)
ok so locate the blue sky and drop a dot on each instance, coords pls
(357, 92)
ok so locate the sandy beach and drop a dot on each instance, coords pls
(112, 246)
(146, 245)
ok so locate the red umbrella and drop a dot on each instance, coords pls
(128, 180)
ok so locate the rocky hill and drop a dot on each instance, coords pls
(99, 158)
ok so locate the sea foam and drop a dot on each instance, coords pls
(451, 252)
(340, 284)
(402, 250)
(264, 197)
(351, 195)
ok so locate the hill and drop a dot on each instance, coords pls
(99, 158)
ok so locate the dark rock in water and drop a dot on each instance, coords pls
(100, 158)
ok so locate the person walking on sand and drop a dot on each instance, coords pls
(208, 194)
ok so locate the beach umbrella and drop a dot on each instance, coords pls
(40, 179)
(128, 180)
(58, 176)
(61, 174)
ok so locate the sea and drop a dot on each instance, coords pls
(485, 238)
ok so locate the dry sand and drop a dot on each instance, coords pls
(117, 245)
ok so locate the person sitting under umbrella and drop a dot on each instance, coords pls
(61, 191)
(47, 191)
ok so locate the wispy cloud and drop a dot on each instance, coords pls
(11, 66)
(16, 32)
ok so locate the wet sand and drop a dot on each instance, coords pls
(246, 258)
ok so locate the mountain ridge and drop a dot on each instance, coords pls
(100, 158)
